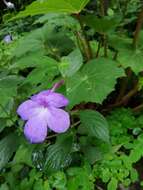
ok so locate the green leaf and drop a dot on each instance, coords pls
(92, 154)
(113, 184)
(38, 185)
(101, 25)
(56, 6)
(42, 73)
(23, 155)
(10, 81)
(71, 64)
(58, 155)
(7, 101)
(33, 42)
(33, 60)
(8, 145)
(79, 178)
(95, 124)
(58, 180)
(132, 59)
(4, 187)
(43, 41)
(56, 19)
(2, 124)
(94, 82)
(134, 175)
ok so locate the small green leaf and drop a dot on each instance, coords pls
(92, 154)
(23, 155)
(38, 185)
(134, 175)
(131, 58)
(79, 178)
(101, 25)
(113, 184)
(58, 180)
(71, 64)
(95, 124)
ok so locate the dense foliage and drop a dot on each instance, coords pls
(95, 47)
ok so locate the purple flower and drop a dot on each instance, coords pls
(43, 111)
(7, 39)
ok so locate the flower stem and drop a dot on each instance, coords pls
(138, 28)
(84, 41)
(57, 85)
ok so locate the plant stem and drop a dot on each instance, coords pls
(115, 55)
(98, 187)
(102, 8)
(138, 28)
(98, 49)
(75, 124)
(104, 4)
(138, 108)
(105, 46)
(124, 84)
(79, 42)
(57, 85)
(83, 38)
(126, 98)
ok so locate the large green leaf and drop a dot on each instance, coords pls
(45, 40)
(95, 124)
(33, 42)
(56, 6)
(59, 19)
(94, 82)
(7, 147)
(71, 64)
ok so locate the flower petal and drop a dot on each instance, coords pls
(57, 100)
(50, 98)
(35, 129)
(58, 120)
(28, 109)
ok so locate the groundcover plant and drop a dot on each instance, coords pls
(71, 95)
